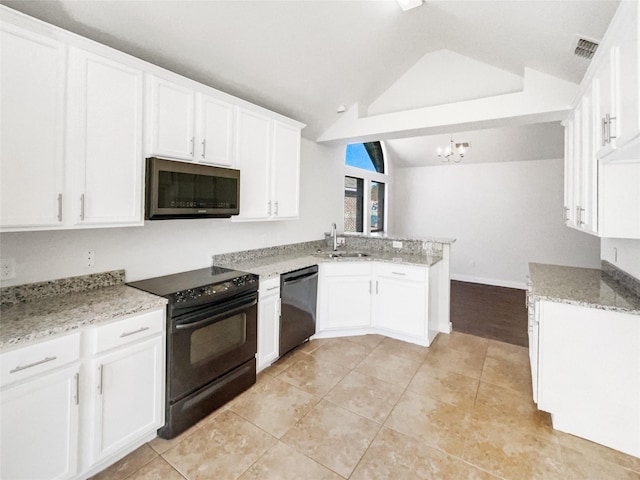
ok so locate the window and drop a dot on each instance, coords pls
(365, 172)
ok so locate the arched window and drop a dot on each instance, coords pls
(364, 188)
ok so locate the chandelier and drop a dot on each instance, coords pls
(454, 152)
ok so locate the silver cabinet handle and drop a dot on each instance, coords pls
(370, 282)
(269, 209)
(59, 207)
(82, 207)
(273, 288)
(19, 368)
(604, 131)
(276, 208)
(398, 273)
(376, 287)
(100, 369)
(193, 139)
(204, 148)
(126, 334)
(609, 120)
(566, 214)
(76, 396)
(579, 211)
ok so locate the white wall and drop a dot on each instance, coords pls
(163, 247)
(503, 216)
(625, 254)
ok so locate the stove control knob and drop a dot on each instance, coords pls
(192, 294)
(180, 297)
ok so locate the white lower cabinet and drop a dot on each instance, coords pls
(127, 396)
(385, 298)
(344, 296)
(268, 322)
(39, 421)
(588, 375)
(71, 406)
(400, 299)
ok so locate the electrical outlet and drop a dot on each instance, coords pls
(90, 259)
(7, 268)
(340, 240)
(397, 244)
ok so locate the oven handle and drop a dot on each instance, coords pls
(185, 324)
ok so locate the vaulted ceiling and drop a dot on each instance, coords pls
(305, 58)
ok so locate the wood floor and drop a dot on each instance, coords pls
(492, 312)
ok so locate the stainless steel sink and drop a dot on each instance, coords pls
(341, 254)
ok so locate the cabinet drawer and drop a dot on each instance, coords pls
(129, 330)
(270, 286)
(346, 268)
(38, 358)
(403, 272)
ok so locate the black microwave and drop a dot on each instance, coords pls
(190, 190)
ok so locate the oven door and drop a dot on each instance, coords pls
(208, 342)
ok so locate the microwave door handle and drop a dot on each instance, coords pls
(184, 325)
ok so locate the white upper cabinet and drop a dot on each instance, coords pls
(104, 140)
(189, 125)
(171, 108)
(602, 136)
(268, 156)
(214, 131)
(286, 172)
(253, 157)
(616, 78)
(32, 128)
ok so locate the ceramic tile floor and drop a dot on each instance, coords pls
(372, 407)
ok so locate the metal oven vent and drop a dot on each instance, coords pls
(585, 48)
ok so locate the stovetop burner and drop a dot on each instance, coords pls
(197, 285)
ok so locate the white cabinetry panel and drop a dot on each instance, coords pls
(32, 127)
(171, 119)
(214, 131)
(105, 139)
(268, 322)
(286, 170)
(129, 390)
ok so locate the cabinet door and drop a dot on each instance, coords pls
(347, 302)
(129, 395)
(171, 119)
(629, 81)
(214, 133)
(606, 85)
(400, 305)
(105, 139)
(253, 157)
(32, 124)
(569, 175)
(268, 330)
(588, 166)
(40, 427)
(286, 173)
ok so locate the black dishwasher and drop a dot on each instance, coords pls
(298, 294)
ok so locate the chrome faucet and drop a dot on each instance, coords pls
(334, 235)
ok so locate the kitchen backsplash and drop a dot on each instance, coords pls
(621, 277)
(411, 247)
(302, 248)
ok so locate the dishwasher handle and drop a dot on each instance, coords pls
(299, 278)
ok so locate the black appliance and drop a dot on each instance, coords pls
(298, 295)
(211, 341)
(190, 190)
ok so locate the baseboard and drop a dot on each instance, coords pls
(489, 281)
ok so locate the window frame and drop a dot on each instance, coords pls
(369, 176)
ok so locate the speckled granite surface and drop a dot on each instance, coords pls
(278, 264)
(69, 304)
(33, 291)
(588, 287)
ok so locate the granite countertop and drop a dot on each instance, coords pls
(276, 265)
(398, 237)
(37, 319)
(588, 287)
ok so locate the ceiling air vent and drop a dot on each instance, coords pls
(585, 48)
